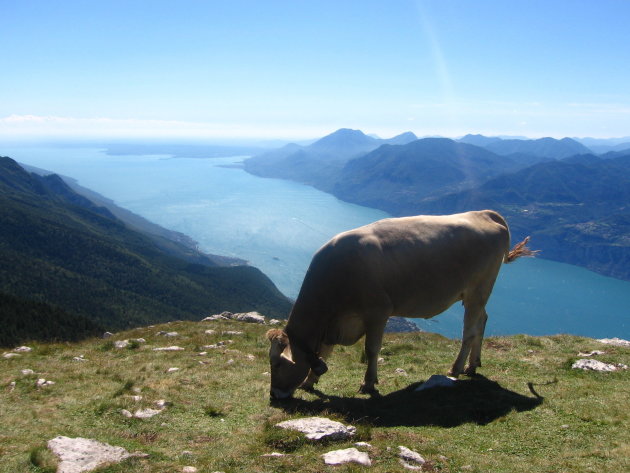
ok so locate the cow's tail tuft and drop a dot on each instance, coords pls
(520, 249)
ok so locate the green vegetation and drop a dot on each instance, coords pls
(569, 421)
(57, 248)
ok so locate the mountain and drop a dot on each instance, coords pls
(604, 145)
(396, 178)
(543, 147)
(576, 210)
(478, 140)
(319, 163)
(60, 249)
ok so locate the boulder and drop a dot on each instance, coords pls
(347, 455)
(23, 349)
(77, 455)
(319, 428)
(615, 341)
(594, 365)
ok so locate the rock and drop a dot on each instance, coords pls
(172, 370)
(250, 317)
(10, 355)
(41, 382)
(22, 349)
(594, 365)
(27, 371)
(136, 398)
(437, 380)
(251, 357)
(171, 348)
(591, 353)
(274, 322)
(210, 332)
(12, 386)
(615, 341)
(400, 371)
(146, 413)
(77, 455)
(161, 404)
(126, 413)
(189, 469)
(363, 445)
(274, 454)
(79, 358)
(222, 316)
(121, 343)
(231, 332)
(318, 428)
(409, 459)
(347, 455)
(107, 335)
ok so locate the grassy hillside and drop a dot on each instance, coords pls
(221, 419)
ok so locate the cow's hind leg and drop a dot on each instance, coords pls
(312, 378)
(474, 325)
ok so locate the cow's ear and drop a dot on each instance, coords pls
(279, 342)
(319, 367)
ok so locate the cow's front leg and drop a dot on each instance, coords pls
(373, 342)
(312, 378)
(474, 360)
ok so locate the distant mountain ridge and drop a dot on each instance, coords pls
(574, 204)
(59, 249)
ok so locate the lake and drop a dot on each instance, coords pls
(277, 225)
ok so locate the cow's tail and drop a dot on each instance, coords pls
(520, 249)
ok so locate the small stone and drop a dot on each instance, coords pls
(107, 335)
(347, 455)
(121, 343)
(230, 361)
(171, 334)
(41, 382)
(136, 398)
(187, 453)
(11, 386)
(189, 469)
(466, 467)
(27, 372)
(400, 371)
(251, 357)
(171, 348)
(274, 322)
(202, 353)
(564, 426)
(437, 380)
(250, 317)
(274, 454)
(126, 413)
(615, 341)
(380, 361)
(162, 403)
(221, 316)
(210, 332)
(79, 358)
(172, 370)
(317, 428)
(363, 445)
(592, 353)
(146, 413)
(11, 355)
(23, 349)
(409, 459)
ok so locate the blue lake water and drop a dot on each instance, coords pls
(277, 225)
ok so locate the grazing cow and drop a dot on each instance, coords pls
(412, 267)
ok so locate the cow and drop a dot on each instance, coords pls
(414, 267)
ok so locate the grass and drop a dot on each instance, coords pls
(220, 417)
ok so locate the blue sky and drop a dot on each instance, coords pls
(301, 69)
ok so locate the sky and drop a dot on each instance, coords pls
(237, 69)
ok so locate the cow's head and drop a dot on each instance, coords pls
(289, 365)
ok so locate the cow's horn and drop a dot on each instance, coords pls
(319, 367)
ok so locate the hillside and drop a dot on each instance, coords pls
(576, 210)
(543, 147)
(216, 414)
(60, 249)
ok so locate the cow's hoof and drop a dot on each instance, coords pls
(453, 373)
(372, 391)
(471, 371)
(307, 387)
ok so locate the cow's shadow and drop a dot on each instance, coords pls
(475, 400)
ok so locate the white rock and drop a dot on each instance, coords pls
(27, 371)
(317, 428)
(171, 348)
(437, 380)
(41, 382)
(171, 334)
(136, 398)
(594, 365)
(400, 371)
(77, 455)
(591, 353)
(221, 316)
(139, 340)
(107, 335)
(347, 455)
(189, 469)
(79, 358)
(22, 349)
(146, 413)
(121, 343)
(12, 386)
(10, 355)
(274, 454)
(363, 445)
(409, 459)
(615, 341)
(126, 413)
(210, 332)
(274, 322)
(172, 370)
(251, 357)
(162, 403)
(250, 317)
(231, 332)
